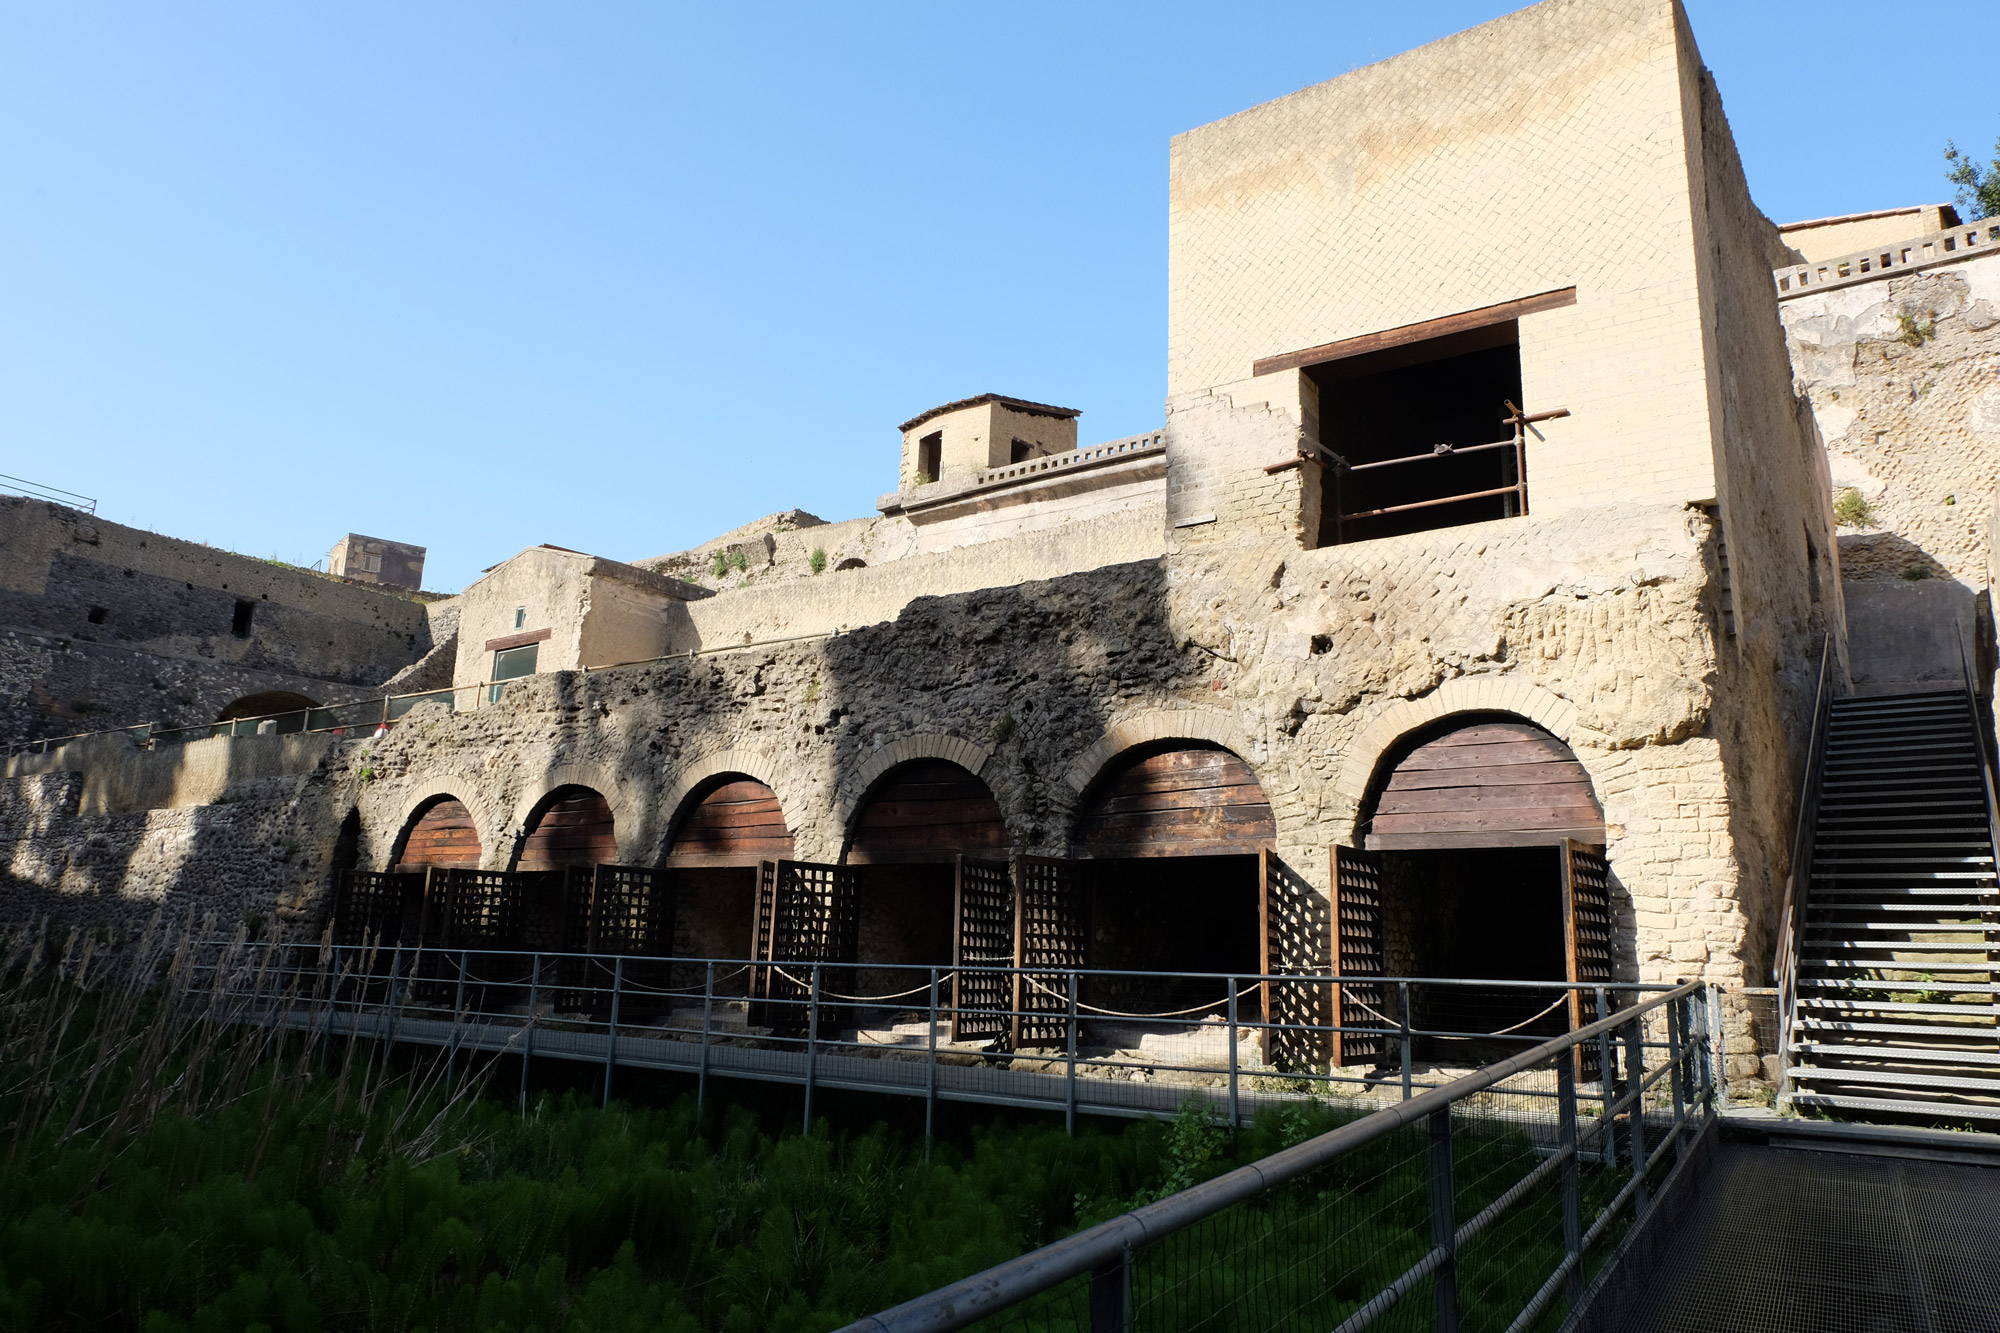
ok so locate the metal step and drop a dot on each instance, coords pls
(1953, 987)
(1896, 1078)
(1981, 1032)
(1914, 1054)
(1879, 1006)
(1890, 1107)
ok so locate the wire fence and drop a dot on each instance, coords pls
(1499, 1201)
(1044, 1043)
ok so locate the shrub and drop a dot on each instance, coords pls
(818, 561)
(1917, 573)
(1851, 509)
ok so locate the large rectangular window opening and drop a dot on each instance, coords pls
(1421, 436)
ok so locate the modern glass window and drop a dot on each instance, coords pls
(511, 664)
(520, 617)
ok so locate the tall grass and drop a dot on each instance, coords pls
(172, 1158)
(166, 1164)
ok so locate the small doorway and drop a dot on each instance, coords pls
(1171, 838)
(723, 830)
(1482, 850)
(908, 837)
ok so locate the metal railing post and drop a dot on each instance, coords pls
(930, 1066)
(812, 1044)
(1635, 1081)
(611, 1027)
(1111, 1295)
(1572, 1190)
(1069, 1074)
(528, 1042)
(457, 1021)
(1235, 1113)
(395, 1010)
(1444, 1224)
(1607, 1079)
(1403, 1023)
(1711, 1050)
(1676, 1052)
(707, 1010)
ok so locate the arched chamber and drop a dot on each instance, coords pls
(1482, 858)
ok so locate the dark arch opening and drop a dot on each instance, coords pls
(1469, 819)
(1170, 835)
(723, 829)
(852, 562)
(289, 705)
(906, 838)
(439, 833)
(571, 826)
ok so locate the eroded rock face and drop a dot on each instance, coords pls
(1904, 380)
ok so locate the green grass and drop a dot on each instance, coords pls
(163, 1169)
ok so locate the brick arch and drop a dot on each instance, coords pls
(855, 785)
(384, 817)
(630, 814)
(1465, 694)
(1158, 724)
(745, 761)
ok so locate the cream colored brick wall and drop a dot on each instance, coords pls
(1547, 149)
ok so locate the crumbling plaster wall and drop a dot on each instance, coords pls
(1308, 664)
(110, 626)
(1903, 375)
(1777, 523)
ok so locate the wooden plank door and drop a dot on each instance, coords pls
(1586, 908)
(1294, 939)
(982, 934)
(1358, 952)
(1050, 934)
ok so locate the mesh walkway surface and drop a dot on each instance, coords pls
(1782, 1240)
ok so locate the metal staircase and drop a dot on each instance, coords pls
(1894, 940)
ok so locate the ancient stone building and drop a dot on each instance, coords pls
(1483, 564)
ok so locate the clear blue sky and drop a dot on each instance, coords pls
(622, 277)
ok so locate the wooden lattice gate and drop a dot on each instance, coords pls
(381, 909)
(806, 913)
(1358, 952)
(1295, 938)
(1051, 925)
(982, 935)
(1587, 925)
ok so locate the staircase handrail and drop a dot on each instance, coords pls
(1791, 920)
(1985, 755)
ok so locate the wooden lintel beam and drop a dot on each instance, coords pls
(1411, 333)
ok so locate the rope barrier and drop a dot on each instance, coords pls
(861, 999)
(1120, 1013)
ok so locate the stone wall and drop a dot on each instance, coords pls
(1903, 374)
(110, 626)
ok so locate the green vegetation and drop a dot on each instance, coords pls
(818, 561)
(164, 1167)
(1916, 573)
(1978, 187)
(1914, 332)
(1851, 508)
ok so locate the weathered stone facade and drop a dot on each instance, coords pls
(110, 626)
(1200, 605)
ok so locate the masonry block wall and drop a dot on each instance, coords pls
(108, 626)
(1548, 149)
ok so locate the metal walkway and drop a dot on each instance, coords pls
(1783, 1239)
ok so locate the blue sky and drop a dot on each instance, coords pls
(622, 277)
